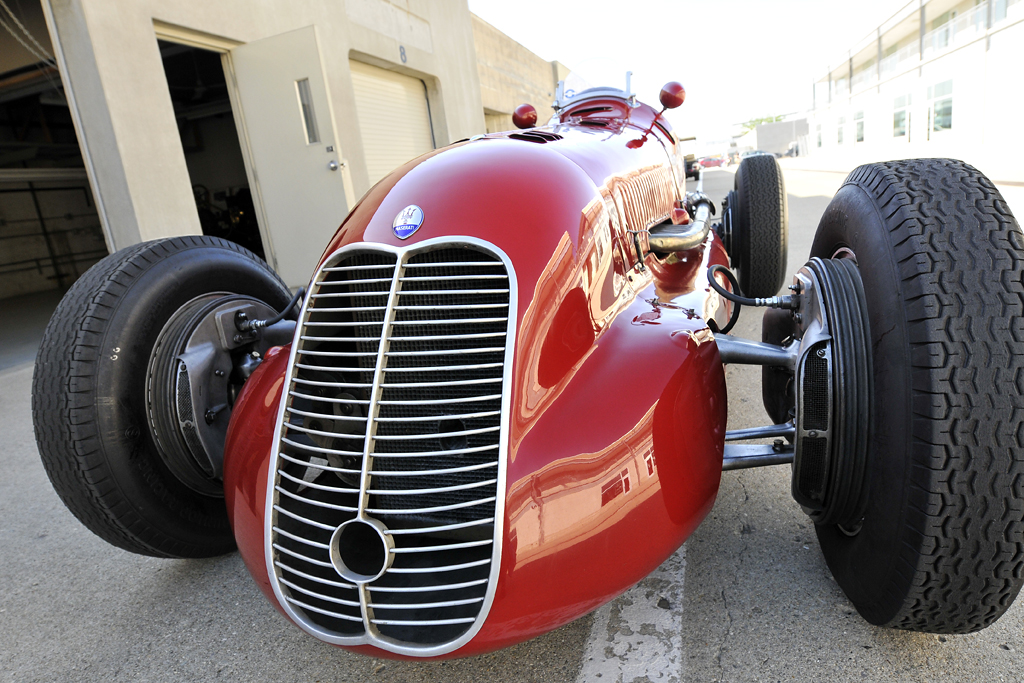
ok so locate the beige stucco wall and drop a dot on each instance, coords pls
(127, 127)
(511, 75)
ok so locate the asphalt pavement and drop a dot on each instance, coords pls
(747, 598)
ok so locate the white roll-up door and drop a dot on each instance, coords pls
(393, 117)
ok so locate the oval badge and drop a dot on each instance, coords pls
(407, 221)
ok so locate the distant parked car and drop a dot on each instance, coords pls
(710, 162)
(692, 167)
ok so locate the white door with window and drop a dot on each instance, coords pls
(394, 117)
(295, 167)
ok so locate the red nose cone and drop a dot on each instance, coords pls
(672, 95)
(525, 116)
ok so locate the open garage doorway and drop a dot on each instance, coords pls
(209, 139)
(50, 231)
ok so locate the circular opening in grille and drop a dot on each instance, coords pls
(361, 550)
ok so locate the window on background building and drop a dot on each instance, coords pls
(978, 15)
(941, 30)
(940, 107)
(839, 129)
(901, 117)
(998, 10)
(817, 129)
(858, 118)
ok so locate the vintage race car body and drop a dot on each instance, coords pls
(503, 402)
(498, 497)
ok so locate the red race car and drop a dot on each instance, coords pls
(711, 162)
(501, 400)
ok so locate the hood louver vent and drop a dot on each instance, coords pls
(538, 136)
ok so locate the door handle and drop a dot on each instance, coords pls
(333, 165)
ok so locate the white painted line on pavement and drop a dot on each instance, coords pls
(639, 633)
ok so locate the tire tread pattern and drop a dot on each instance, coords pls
(958, 254)
(764, 213)
(63, 405)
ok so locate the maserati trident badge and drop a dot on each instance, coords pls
(407, 221)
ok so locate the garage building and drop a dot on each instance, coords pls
(263, 124)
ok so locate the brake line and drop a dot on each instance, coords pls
(788, 301)
(244, 325)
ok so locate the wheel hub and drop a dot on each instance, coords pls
(192, 380)
(834, 390)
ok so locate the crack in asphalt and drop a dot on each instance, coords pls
(725, 639)
(743, 485)
(744, 529)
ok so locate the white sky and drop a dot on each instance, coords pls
(737, 59)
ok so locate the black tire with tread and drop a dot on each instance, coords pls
(89, 393)
(941, 545)
(761, 226)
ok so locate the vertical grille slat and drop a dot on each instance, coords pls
(395, 411)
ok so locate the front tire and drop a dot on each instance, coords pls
(940, 548)
(89, 393)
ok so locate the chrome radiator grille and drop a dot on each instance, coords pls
(388, 472)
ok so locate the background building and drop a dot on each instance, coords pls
(938, 78)
(258, 122)
(787, 137)
(510, 75)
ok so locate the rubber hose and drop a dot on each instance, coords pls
(736, 299)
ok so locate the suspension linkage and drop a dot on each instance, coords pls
(747, 352)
